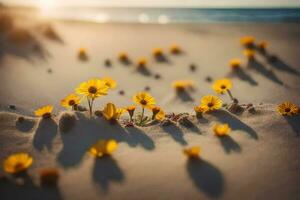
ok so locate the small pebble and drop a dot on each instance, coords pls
(98, 113)
(121, 92)
(157, 76)
(13, 107)
(107, 63)
(147, 88)
(208, 79)
(49, 71)
(252, 110)
(249, 105)
(193, 67)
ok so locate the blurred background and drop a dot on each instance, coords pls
(167, 11)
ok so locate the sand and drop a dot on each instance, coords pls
(260, 160)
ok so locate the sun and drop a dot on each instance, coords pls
(46, 5)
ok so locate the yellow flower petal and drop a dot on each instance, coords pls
(103, 147)
(16, 163)
(43, 111)
(221, 129)
(192, 152)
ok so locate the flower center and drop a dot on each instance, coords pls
(287, 110)
(46, 115)
(210, 104)
(143, 102)
(223, 87)
(19, 166)
(72, 102)
(92, 90)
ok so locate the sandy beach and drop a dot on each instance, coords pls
(259, 160)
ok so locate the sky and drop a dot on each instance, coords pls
(162, 3)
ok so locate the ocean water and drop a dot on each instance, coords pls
(174, 15)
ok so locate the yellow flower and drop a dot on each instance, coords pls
(109, 82)
(44, 112)
(157, 52)
(123, 56)
(288, 108)
(16, 163)
(247, 41)
(130, 110)
(221, 129)
(142, 62)
(249, 53)
(92, 88)
(262, 45)
(210, 103)
(157, 113)
(200, 109)
(222, 85)
(111, 112)
(192, 152)
(144, 99)
(175, 49)
(181, 85)
(70, 101)
(103, 147)
(235, 63)
(161, 115)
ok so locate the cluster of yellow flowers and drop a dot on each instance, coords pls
(146, 101)
(248, 42)
(220, 130)
(20, 162)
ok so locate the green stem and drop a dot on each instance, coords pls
(142, 116)
(90, 106)
(91, 110)
(230, 95)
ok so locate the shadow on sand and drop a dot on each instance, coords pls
(162, 59)
(206, 177)
(184, 96)
(45, 134)
(229, 145)
(243, 75)
(281, 65)
(30, 51)
(88, 131)
(106, 170)
(294, 122)
(144, 71)
(126, 62)
(269, 74)
(29, 190)
(235, 124)
(26, 125)
(175, 132)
